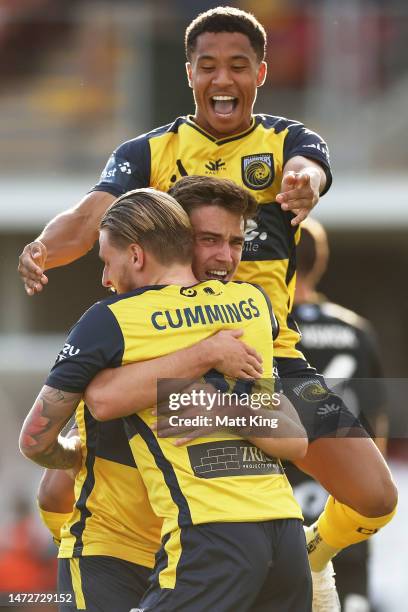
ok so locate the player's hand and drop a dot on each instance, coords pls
(233, 357)
(76, 445)
(299, 194)
(31, 267)
(186, 429)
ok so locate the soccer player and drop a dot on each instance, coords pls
(106, 548)
(206, 491)
(286, 166)
(342, 346)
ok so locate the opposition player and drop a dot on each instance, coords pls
(286, 167)
(146, 237)
(341, 345)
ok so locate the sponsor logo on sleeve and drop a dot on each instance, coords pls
(68, 350)
(115, 169)
(319, 146)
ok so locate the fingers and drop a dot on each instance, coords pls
(300, 216)
(193, 436)
(32, 286)
(299, 199)
(251, 351)
(297, 193)
(289, 180)
(236, 333)
(31, 267)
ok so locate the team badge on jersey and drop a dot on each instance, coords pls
(311, 391)
(258, 170)
(188, 292)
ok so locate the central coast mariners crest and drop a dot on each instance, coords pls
(258, 170)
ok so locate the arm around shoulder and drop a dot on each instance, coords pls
(72, 233)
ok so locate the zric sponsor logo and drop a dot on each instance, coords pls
(68, 351)
(253, 454)
(230, 458)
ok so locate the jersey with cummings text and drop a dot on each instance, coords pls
(253, 159)
(153, 322)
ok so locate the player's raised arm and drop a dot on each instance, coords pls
(303, 182)
(118, 392)
(290, 441)
(69, 236)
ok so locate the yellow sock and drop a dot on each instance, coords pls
(337, 527)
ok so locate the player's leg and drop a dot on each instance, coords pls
(288, 586)
(351, 469)
(213, 566)
(100, 584)
(351, 566)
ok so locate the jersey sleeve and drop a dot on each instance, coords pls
(302, 141)
(127, 168)
(274, 320)
(94, 343)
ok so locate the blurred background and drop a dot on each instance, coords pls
(79, 77)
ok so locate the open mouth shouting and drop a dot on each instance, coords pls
(224, 106)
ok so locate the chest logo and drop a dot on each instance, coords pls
(257, 170)
(215, 166)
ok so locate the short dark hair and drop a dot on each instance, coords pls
(312, 253)
(152, 219)
(194, 191)
(226, 19)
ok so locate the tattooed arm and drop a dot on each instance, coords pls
(39, 438)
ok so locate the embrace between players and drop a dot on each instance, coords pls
(228, 540)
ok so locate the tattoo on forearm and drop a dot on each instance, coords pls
(61, 455)
(39, 437)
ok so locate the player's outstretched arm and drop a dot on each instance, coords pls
(286, 440)
(303, 182)
(69, 236)
(290, 440)
(39, 438)
(122, 391)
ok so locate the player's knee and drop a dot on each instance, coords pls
(390, 497)
(383, 499)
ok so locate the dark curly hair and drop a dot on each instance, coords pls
(226, 19)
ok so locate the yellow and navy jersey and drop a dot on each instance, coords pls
(54, 521)
(112, 515)
(253, 159)
(184, 485)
